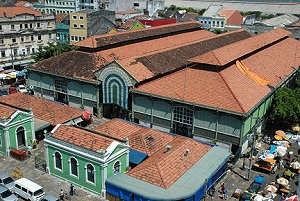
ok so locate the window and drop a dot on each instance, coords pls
(21, 26)
(81, 26)
(74, 17)
(81, 17)
(15, 52)
(49, 24)
(32, 38)
(75, 25)
(183, 115)
(28, 50)
(136, 4)
(30, 25)
(76, 38)
(26, 26)
(0, 27)
(117, 167)
(22, 39)
(39, 37)
(50, 36)
(38, 25)
(90, 171)
(74, 167)
(12, 26)
(1, 41)
(2, 53)
(60, 85)
(58, 161)
(14, 40)
(72, 38)
(24, 189)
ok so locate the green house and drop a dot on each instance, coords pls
(16, 128)
(85, 158)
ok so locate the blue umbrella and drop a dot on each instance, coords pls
(20, 73)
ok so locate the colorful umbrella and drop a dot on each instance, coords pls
(280, 133)
(288, 173)
(271, 188)
(283, 181)
(258, 197)
(293, 198)
(295, 165)
(277, 137)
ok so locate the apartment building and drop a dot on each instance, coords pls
(55, 6)
(22, 32)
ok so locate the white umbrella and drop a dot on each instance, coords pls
(3, 75)
(295, 165)
(283, 181)
(258, 197)
(271, 188)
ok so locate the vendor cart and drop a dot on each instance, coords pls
(265, 165)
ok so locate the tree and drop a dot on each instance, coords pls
(51, 50)
(286, 108)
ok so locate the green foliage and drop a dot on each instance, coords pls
(189, 9)
(51, 50)
(286, 107)
(268, 16)
(257, 13)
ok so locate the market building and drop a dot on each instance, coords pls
(176, 78)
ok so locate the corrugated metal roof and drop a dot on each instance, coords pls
(186, 186)
(212, 10)
(281, 21)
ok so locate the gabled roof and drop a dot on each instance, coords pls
(228, 88)
(122, 37)
(11, 12)
(43, 109)
(281, 21)
(6, 111)
(128, 12)
(82, 138)
(227, 12)
(212, 10)
(220, 56)
(165, 168)
(60, 17)
(142, 139)
(75, 64)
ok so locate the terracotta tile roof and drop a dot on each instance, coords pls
(163, 169)
(20, 3)
(228, 88)
(82, 138)
(42, 109)
(127, 25)
(142, 139)
(227, 13)
(6, 111)
(220, 56)
(75, 64)
(60, 17)
(167, 60)
(14, 11)
(128, 12)
(122, 37)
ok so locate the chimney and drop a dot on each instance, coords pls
(186, 153)
(168, 148)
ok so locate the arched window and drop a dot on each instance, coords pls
(90, 171)
(21, 136)
(58, 161)
(117, 167)
(74, 167)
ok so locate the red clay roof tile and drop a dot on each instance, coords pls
(6, 111)
(82, 138)
(14, 11)
(43, 109)
(20, 3)
(60, 17)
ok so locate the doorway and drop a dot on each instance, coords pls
(111, 111)
(60, 97)
(21, 137)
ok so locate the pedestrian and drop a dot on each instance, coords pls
(280, 164)
(244, 163)
(274, 169)
(213, 192)
(71, 189)
(61, 194)
(283, 197)
(225, 194)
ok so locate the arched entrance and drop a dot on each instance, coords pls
(21, 137)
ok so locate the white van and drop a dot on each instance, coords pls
(28, 190)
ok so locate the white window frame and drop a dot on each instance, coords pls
(113, 168)
(75, 25)
(74, 17)
(70, 167)
(81, 26)
(54, 161)
(81, 18)
(86, 174)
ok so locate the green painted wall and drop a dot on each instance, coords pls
(81, 179)
(2, 138)
(162, 109)
(110, 166)
(13, 131)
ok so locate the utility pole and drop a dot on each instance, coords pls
(257, 124)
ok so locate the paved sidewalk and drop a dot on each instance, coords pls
(51, 184)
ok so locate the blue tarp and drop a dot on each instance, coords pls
(136, 157)
(273, 148)
(259, 179)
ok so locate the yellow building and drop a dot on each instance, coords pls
(88, 22)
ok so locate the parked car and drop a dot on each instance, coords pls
(28, 190)
(50, 198)
(22, 89)
(246, 196)
(13, 90)
(6, 194)
(3, 93)
(7, 181)
(253, 189)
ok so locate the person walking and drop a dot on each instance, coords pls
(61, 194)
(243, 164)
(71, 189)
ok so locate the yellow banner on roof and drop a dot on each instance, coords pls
(255, 77)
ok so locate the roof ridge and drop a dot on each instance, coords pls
(235, 98)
